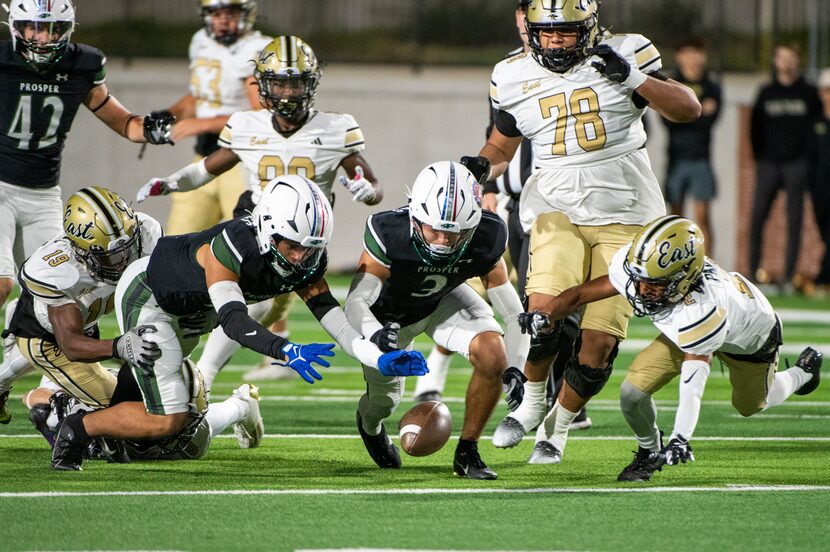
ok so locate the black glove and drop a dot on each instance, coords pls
(613, 66)
(513, 381)
(386, 338)
(534, 323)
(678, 450)
(158, 127)
(479, 166)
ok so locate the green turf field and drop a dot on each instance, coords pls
(762, 482)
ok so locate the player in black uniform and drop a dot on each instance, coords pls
(412, 273)
(43, 81)
(191, 282)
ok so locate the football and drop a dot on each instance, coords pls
(425, 428)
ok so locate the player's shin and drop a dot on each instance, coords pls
(431, 385)
(222, 415)
(785, 384)
(640, 412)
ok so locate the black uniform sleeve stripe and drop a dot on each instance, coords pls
(701, 321)
(707, 338)
(655, 60)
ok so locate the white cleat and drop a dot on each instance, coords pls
(250, 429)
(545, 453)
(266, 371)
(509, 433)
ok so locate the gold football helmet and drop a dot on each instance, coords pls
(104, 231)
(246, 20)
(568, 16)
(287, 72)
(664, 264)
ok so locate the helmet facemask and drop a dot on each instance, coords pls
(41, 43)
(108, 266)
(245, 11)
(295, 261)
(560, 60)
(290, 97)
(440, 254)
(667, 290)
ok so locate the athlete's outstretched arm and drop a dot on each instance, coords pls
(364, 291)
(506, 301)
(113, 114)
(674, 101)
(326, 309)
(68, 327)
(358, 169)
(192, 176)
(572, 298)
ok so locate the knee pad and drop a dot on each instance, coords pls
(630, 396)
(586, 381)
(545, 346)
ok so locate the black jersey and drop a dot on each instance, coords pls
(37, 110)
(178, 281)
(414, 289)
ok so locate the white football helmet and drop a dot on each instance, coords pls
(48, 24)
(446, 198)
(294, 209)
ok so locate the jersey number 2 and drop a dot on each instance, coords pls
(21, 127)
(584, 108)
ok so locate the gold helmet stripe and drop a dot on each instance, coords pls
(639, 247)
(292, 57)
(103, 211)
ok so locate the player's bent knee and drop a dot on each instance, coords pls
(487, 353)
(631, 396)
(586, 380)
(747, 410)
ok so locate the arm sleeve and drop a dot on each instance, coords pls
(338, 327)
(229, 303)
(506, 124)
(693, 376)
(363, 293)
(507, 303)
(191, 177)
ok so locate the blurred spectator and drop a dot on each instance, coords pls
(690, 169)
(820, 185)
(781, 130)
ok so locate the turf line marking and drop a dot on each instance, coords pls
(478, 490)
(323, 436)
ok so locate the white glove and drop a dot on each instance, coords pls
(362, 189)
(156, 187)
(136, 349)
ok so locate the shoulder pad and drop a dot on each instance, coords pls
(151, 233)
(495, 231)
(89, 58)
(638, 50)
(374, 239)
(49, 275)
(235, 244)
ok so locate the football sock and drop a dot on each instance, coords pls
(13, 368)
(438, 364)
(785, 384)
(556, 426)
(466, 445)
(532, 410)
(640, 412)
(227, 412)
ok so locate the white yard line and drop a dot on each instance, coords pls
(434, 491)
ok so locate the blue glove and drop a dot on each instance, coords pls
(402, 363)
(300, 357)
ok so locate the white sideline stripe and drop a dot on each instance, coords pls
(487, 438)
(410, 550)
(475, 490)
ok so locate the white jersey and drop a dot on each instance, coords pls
(729, 314)
(314, 151)
(218, 72)
(588, 137)
(55, 277)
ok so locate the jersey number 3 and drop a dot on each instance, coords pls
(584, 108)
(21, 127)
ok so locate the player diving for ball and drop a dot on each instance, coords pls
(192, 282)
(288, 137)
(703, 312)
(68, 285)
(410, 279)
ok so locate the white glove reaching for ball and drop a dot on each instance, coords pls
(156, 187)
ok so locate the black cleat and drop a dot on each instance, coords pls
(810, 361)
(644, 464)
(380, 446)
(38, 416)
(114, 451)
(468, 463)
(5, 415)
(428, 396)
(68, 452)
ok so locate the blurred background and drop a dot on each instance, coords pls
(415, 74)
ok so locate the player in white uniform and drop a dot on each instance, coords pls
(290, 137)
(221, 83)
(68, 285)
(579, 96)
(702, 312)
